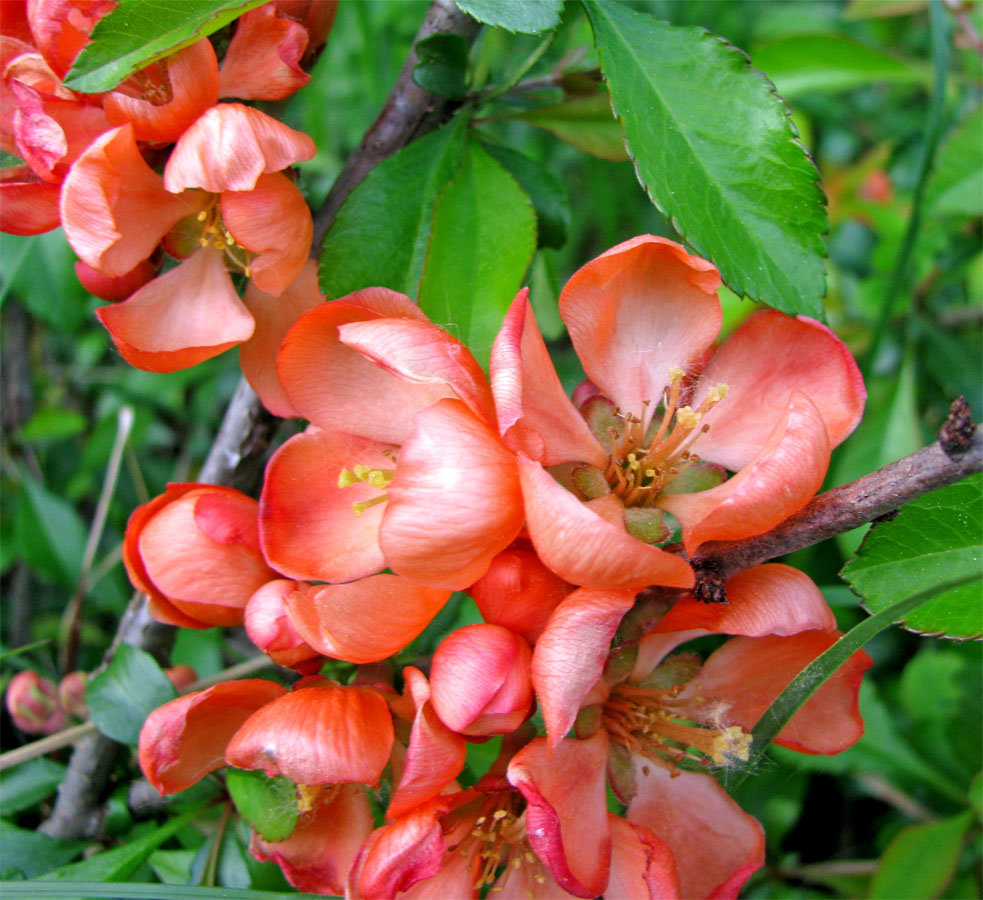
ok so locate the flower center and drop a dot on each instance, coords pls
(377, 478)
(215, 234)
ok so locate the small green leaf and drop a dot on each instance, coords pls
(921, 860)
(443, 65)
(129, 690)
(32, 853)
(932, 542)
(527, 16)
(380, 235)
(586, 123)
(955, 187)
(52, 423)
(717, 153)
(29, 783)
(50, 534)
(268, 804)
(484, 237)
(138, 32)
(830, 62)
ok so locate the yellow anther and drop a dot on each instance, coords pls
(202, 215)
(687, 418)
(499, 814)
(202, 241)
(365, 504)
(675, 374)
(220, 245)
(650, 473)
(717, 392)
(346, 478)
(633, 462)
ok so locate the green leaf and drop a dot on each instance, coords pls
(130, 689)
(956, 184)
(138, 32)
(268, 804)
(527, 16)
(717, 153)
(830, 62)
(50, 534)
(21, 787)
(32, 853)
(921, 860)
(484, 237)
(380, 235)
(586, 123)
(52, 423)
(39, 270)
(544, 189)
(932, 542)
(443, 65)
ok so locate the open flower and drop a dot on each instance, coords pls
(659, 426)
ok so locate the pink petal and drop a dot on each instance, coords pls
(364, 621)
(318, 735)
(641, 864)
(763, 362)
(263, 58)
(751, 672)
(336, 387)
(27, 205)
(769, 599)
(115, 289)
(535, 416)
(716, 845)
(780, 480)
(270, 629)
(421, 353)
(636, 311)
(570, 654)
(61, 28)
(566, 816)
(308, 526)
(229, 147)
(181, 318)
(274, 316)
(454, 501)
(583, 548)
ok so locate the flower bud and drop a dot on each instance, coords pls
(71, 694)
(32, 702)
(270, 629)
(181, 676)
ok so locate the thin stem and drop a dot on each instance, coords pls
(525, 66)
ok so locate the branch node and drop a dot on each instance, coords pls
(956, 434)
(710, 579)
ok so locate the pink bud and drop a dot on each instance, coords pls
(71, 694)
(33, 704)
(181, 676)
(270, 629)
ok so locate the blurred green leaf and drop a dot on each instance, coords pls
(955, 186)
(586, 123)
(130, 689)
(932, 542)
(381, 233)
(268, 804)
(39, 271)
(51, 423)
(138, 32)
(921, 860)
(526, 16)
(50, 534)
(22, 786)
(829, 63)
(484, 237)
(717, 153)
(199, 648)
(32, 853)
(443, 65)
(171, 866)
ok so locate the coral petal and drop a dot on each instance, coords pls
(263, 59)
(642, 865)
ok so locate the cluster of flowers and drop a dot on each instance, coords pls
(225, 203)
(418, 476)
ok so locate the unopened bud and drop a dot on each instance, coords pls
(71, 694)
(33, 704)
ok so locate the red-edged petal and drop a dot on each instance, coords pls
(324, 734)
(274, 316)
(570, 654)
(185, 739)
(421, 353)
(480, 680)
(61, 28)
(117, 289)
(717, 846)
(636, 311)
(263, 59)
(27, 205)
(583, 548)
(308, 526)
(780, 480)
(181, 318)
(229, 147)
(336, 387)
(769, 599)
(321, 849)
(566, 816)
(364, 621)
(434, 754)
(274, 221)
(270, 629)
(188, 83)
(454, 501)
(763, 362)
(751, 672)
(535, 416)
(642, 865)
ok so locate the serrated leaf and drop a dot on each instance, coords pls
(830, 62)
(443, 65)
(138, 32)
(586, 123)
(956, 184)
(484, 237)
(22, 786)
(920, 860)
(932, 542)
(268, 804)
(380, 235)
(130, 689)
(527, 16)
(50, 534)
(717, 153)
